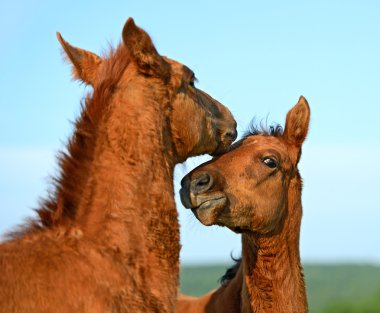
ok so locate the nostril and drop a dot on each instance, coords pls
(184, 192)
(201, 184)
(231, 134)
(204, 180)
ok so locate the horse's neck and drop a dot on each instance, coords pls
(227, 297)
(128, 197)
(273, 278)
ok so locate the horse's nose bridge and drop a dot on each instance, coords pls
(214, 107)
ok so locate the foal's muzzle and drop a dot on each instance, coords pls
(226, 139)
(192, 187)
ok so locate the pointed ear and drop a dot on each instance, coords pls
(85, 64)
(297, 123)
(143, 51)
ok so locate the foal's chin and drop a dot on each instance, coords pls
(209, 211)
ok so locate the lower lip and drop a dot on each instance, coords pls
(207, 203)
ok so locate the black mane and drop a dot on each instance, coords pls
(262, 129)
(254, 129)
(230, 272)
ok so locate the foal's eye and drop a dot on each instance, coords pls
(271, 163)
(192, 81)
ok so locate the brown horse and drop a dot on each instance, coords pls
(255, 189)
(107, 238)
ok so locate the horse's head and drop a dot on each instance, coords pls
(247, 188)
(190, 121)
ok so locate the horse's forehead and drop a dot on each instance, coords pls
(260, 143)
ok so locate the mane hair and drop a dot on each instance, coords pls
(230, 272)
(263, 129)
(255, 129)
(74, 162)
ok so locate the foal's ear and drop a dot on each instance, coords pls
(297, 123)
(143, 51)
(85, 64)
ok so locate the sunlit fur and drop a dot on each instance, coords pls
(107, 237)
(264, 204)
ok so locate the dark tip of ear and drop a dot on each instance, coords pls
(130, 21)
(302, 99)
(297, 122)
(129, 28)
(302, 103)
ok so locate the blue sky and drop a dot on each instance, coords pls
(257, 58)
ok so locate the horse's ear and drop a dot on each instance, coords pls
(297, 123)
(85, 64)
(143, 51)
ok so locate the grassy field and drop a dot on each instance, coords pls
(330, 288)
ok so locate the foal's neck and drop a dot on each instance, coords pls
(128, 198)
(273, 278)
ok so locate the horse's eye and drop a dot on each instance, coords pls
(192, 81)
(269, 162)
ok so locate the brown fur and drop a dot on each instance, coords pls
(264, 204)
(107, 238)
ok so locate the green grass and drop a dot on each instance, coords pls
(198, 280)
(330, 288)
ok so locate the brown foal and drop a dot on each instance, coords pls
(107, 238)
(255, 189)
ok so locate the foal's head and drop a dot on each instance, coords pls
(135, 80)
(247, 188)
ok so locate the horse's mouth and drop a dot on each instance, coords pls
(222, 148)
(210, 203)
(208, 210)
(219, 151)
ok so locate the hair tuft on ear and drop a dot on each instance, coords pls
(85, 64)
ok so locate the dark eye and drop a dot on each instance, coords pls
(192, 81)
(271, 163)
